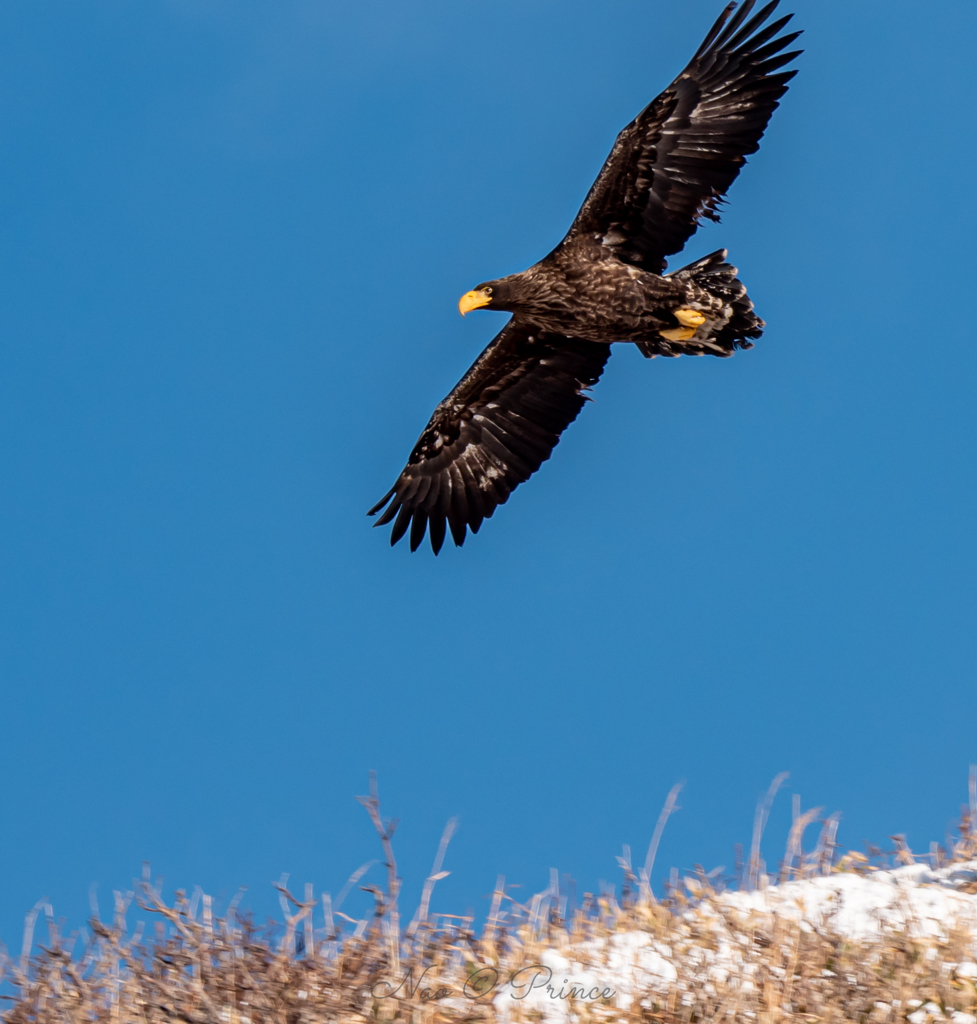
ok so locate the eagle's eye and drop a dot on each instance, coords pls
(487, 290)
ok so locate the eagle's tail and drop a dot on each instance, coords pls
(713, 274)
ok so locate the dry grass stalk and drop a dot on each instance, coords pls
(724, 964)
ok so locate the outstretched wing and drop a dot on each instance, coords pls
(492, 432)
(674, 162)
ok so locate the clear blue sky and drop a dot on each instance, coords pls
(232, 238)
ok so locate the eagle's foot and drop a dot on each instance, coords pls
(689, 317)
(678, 334)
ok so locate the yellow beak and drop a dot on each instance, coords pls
(473, 300)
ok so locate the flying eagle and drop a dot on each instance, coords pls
(605, 282)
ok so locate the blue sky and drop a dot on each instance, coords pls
(232, 240)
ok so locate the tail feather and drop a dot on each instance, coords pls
(713, 274)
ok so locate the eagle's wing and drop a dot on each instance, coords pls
(492, 432)
(674, 162)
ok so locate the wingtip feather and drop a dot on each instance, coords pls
(715, 30)
(392, 510)
(436, 528)
(417, 529)
(383, 501)
(400, 527)
(734, 23)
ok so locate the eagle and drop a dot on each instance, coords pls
(606, 282)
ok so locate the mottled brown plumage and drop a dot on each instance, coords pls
(605, 282)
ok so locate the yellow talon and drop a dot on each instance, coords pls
(689, 318)
(678, 334)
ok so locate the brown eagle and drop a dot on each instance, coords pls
(605, 282)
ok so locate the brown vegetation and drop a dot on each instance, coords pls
(200, 968)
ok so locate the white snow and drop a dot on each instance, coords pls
(914, 898)
(631, 964)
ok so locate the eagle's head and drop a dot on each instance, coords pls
(490, 295)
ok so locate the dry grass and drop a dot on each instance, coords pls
(199, 967)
